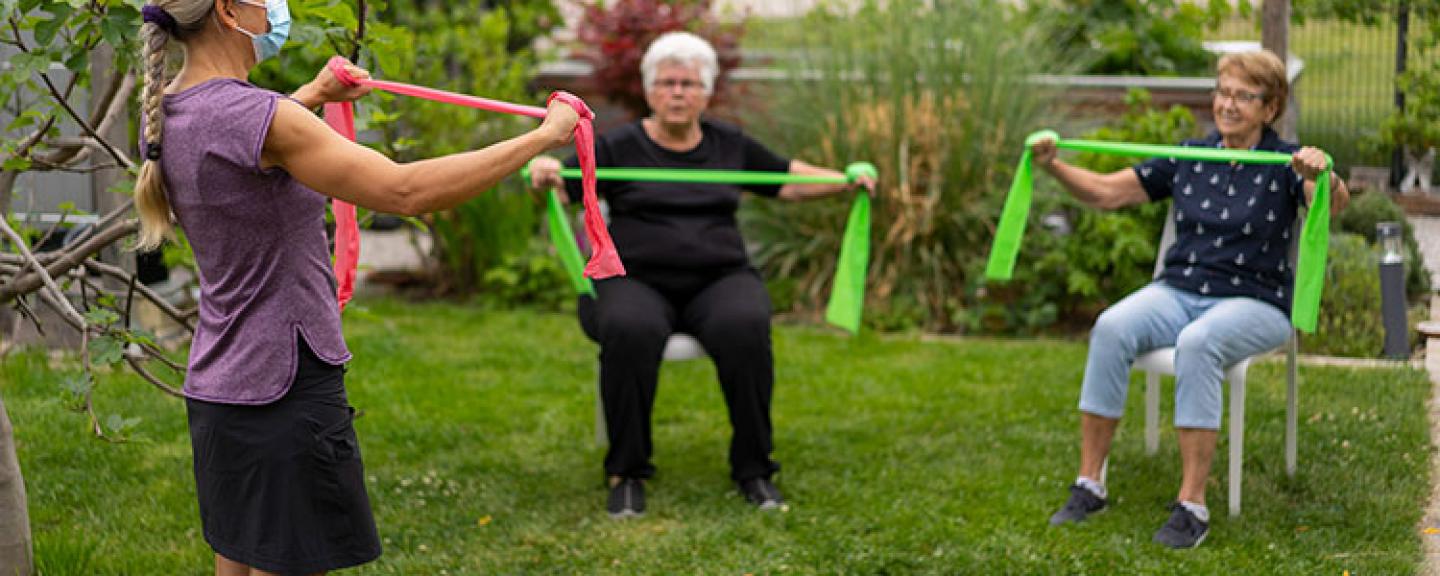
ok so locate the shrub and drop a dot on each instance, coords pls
(1150, 37)
(941, 110)
(616, 34)
(1130, 236)
(532, 277)
(1360, 217)
(1350, 322)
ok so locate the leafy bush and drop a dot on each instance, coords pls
(941, 110)
(616, 34)
(1350, 323)
(1150, 37)
(532, 277)
(1131, 235)
(1360, 217)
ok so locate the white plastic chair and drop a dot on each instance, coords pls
(1162, 361)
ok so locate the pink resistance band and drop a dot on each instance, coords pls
(604, 260)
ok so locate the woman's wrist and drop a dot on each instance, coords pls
(308, 96)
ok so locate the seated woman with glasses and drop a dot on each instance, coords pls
(688, 270)
(1225, 290)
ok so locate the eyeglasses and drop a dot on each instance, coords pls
(672, 83)
(1239, 96)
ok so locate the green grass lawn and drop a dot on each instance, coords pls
(900, 456)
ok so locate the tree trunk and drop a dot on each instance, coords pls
(15, 551)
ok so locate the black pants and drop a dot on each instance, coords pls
(729, 313)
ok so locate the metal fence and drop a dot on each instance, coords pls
(1348, 85)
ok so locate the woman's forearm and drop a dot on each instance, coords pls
(1103, 191)
(797, 192)
(445, 182)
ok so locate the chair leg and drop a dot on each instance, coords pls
(602, 438)
(1237, 438)
(1292, 407)
(1152, 413)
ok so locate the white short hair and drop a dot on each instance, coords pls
(682, 48)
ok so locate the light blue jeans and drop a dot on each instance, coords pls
(1209, 334)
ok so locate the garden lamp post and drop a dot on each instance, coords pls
(1392, 289)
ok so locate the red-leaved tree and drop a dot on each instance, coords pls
(614, 36)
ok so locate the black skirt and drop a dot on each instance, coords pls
(280, 485)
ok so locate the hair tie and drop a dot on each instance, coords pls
(159, 17)
(152, 151)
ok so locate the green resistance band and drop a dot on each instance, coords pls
(564, 240)
(847, 290)
(1314, 238)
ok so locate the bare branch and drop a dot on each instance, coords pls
(51, 232)
(139, 368)
(68, 260)
(40, 271)
(8, 177)
(359, 32)
(34, 138)
(42, 166)
(60, 99)
(59, 306)
(158, 354)
(91, 143)
(19, 40)
(119, 273)
(27, 313)
(90, 378)
(109, 109)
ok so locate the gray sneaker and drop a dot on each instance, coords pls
(762, 493)
(1081, 505)
(627, 499)
(1183, 529)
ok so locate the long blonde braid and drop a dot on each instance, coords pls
(179, 19)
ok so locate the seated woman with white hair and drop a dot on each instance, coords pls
(688, 270)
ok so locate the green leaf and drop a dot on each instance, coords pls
(141, 336)
(77, 384)
(118, 27)
(45, 30)
(117, 425)
(16, 164)
(338, 15)
(77, 62)
(23, 66)
(101, 317)
(107, 350)
(107, 300)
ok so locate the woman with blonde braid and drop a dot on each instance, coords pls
(245, 172)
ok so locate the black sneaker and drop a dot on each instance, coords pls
(627, 499)
(762, 493)
(1081, 505)
(1183, 529)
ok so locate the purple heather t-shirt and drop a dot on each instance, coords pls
(259, 241)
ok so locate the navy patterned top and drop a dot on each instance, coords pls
(1233, 222)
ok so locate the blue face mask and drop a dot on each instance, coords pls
(267, 45)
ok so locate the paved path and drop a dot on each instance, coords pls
(1427, 234)
(1429, 527)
